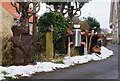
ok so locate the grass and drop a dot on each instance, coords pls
(4, 72)
(58, 62)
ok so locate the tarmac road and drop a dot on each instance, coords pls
(105, 69)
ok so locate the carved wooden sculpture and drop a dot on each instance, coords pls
(22, 41)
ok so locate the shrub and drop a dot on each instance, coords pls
(7, 51)
(59, 24)
(93, 23)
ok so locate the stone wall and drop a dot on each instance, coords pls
(6, 22)
(114, 21)
(0, 35)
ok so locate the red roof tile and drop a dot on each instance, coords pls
(12, 10)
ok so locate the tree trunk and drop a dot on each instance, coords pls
(64, 41)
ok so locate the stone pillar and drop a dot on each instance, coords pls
(49, 46)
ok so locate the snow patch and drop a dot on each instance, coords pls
(49, 66)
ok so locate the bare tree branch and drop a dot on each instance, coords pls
(30, 15)
(27, 5)
(49, 9)
(38, 6)
(65, 12)
(76, 10)
(34, 8)
(15, 5)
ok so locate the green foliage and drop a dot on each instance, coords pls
(60, 56)
(6, 77)
(55, 20)
(4, 72)
(7, 57)
(39, 57)
(58, 62)
(7, 51)
(93, 23)
(59, 23)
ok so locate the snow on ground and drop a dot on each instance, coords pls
(49, 66)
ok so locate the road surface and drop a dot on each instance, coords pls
(105, 69)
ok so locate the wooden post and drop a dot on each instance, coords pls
(68, 46)
(90, 41)
(34, 27)
(85, 48)
(49, 46)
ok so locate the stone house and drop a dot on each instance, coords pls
(114, 20)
